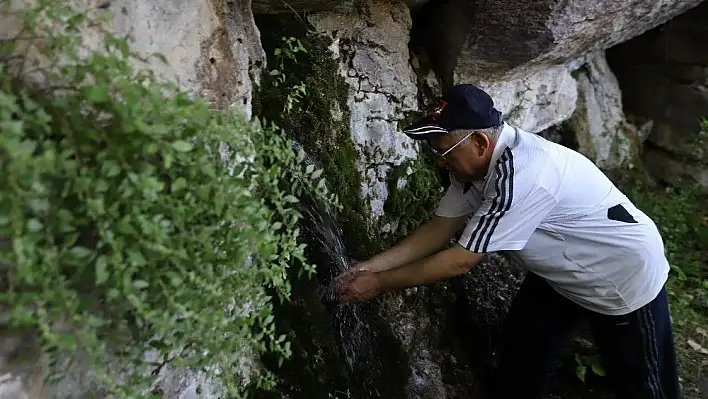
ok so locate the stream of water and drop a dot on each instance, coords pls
(358, 339)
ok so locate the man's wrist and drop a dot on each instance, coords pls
(370, 265)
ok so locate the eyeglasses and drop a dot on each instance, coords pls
(437, 153)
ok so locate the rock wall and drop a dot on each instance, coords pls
(664, 80)
(599, 125)
(371, 46)
(212, 46)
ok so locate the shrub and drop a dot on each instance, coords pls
(133, 217)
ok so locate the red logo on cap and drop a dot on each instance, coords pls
(438, 110)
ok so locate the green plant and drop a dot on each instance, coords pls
(701, 142)
(135, 218)
(287, 53)
(583, 362)
(414, 203)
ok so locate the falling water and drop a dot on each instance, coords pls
(358, 338)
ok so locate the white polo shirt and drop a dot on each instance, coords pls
(565, 220)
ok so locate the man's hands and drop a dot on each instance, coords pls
(357, 284)
(360, 284)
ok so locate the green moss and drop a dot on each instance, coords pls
(413, 204)
(321, 124)
(320, 121)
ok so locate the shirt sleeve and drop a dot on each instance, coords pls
(508, 216)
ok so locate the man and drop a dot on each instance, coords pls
(590, 253)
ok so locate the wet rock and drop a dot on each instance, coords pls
(449, 330)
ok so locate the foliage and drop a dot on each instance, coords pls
(127, 207)
(321, 121)
(700, 144)
(414, 203)
(583, 362)
(301, 58)
(285, 54)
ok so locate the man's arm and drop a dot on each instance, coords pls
(445, 264)
(426, 240)
(365, 285)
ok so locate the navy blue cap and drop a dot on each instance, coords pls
(464, 106)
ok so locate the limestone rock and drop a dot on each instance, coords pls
(372, 48)
(536, 101)
(518, 50)
(277, 7)
(600, 126)
(500, 36)
(669, 169)
(212, 47)
(344, 6)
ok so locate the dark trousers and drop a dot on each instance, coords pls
(637, 349)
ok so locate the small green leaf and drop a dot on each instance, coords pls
(111, 168)
(140, 284)
(34, 225)
(179, 184)
(80, 252)
(136, 257)
(102, 273)
(580, 371)
(97, 93)
(290, 198)
(182, 146)
(597, 369)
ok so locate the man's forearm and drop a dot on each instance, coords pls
(449, 263)
(426, 240)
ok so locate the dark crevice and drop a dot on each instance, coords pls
(438, 34)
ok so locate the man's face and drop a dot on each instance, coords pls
(467, 161)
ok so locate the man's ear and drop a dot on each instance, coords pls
(481, 142)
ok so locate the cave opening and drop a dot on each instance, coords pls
(663, 77)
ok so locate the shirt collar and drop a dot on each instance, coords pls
(506, 137)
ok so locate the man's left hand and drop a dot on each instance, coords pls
(359, 285)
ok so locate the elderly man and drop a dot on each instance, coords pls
(590, 253)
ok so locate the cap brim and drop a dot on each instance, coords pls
(424, 130)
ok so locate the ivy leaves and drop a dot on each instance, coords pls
(126, 206)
